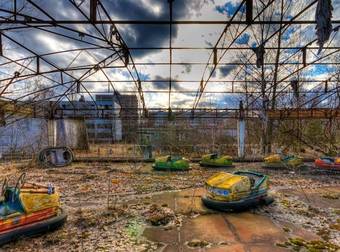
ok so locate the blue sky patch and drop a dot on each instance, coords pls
(225, 70)
(286, 35)
(320, 70)
(229, 8)
(243, 39)
(144, 77)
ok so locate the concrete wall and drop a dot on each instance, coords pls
(118, 129)
(28, 135)
(31, 135)
(71, 133)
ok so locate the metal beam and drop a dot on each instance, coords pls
(249, 12)
(163, 22)
(201, 90)
(93, 11)
(136, 78)
(100, 41)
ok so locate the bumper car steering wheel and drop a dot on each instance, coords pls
(3, 189)
(18, 186)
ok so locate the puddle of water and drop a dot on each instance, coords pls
(219, 231)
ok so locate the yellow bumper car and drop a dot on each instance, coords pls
(236, 191)
(28, 209)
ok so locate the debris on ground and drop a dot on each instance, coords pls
(112, 205)
(159, 215)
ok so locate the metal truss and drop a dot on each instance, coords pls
(257, 82)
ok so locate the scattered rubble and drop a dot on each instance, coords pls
(110, 204)
(157, 215)
(196, 243)
(333, 196)
(297, 244)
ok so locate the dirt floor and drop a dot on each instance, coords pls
(130, 207)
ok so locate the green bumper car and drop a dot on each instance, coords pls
(171, 163)
(214, 160)
(277, 161)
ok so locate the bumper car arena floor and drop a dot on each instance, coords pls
(130, 207)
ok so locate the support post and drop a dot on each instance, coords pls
(241, 128)
(78, 87)
(2, 117)
(304, 56)
(1, 52)
(52, 132)
(61, 78)
(15, 9)
(38, 64)
(249, 12)
(93, 11)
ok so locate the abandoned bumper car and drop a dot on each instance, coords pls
(28, 209)
(171, 163)
(328, 163)
(282, 161)
(236, 191)
(214, 160)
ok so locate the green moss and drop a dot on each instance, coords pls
(134, 228)
(324, 233)
(321, 245)
(283, 245)
(197, 243)
(286, 203)
(89, 176)
(286, 229)
(297, 241)
(297, 244)
(329, 195)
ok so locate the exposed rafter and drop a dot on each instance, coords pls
(102, 34)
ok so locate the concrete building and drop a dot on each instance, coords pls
(111, 118)
(129, 116)
(102, 120)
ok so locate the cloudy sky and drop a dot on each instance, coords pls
(189, 65)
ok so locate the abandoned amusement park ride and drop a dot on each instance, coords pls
(110, 142)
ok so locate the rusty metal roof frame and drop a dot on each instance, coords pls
(122, 53)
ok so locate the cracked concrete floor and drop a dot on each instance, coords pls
(106, 205)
